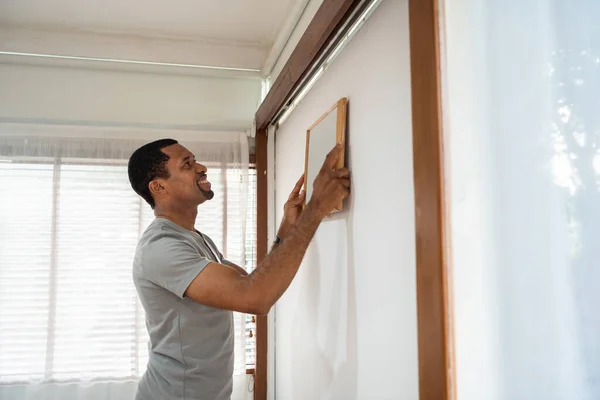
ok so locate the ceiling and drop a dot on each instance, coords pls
(220, 25)
(228, 20)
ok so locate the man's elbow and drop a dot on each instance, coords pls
(259, 307)
(257, 300)
(260, 310)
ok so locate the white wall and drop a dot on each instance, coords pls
(43, 92)
(347, 327)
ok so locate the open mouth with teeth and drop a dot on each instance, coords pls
(205, 187)
(203, 182)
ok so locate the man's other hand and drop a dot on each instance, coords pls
(292, 209)
(331, 185)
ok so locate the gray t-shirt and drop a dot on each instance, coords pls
(191, 345)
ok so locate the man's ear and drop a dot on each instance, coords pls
(156, 188)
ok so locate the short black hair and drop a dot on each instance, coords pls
(146, 164)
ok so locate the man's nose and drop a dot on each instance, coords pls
(201, 168)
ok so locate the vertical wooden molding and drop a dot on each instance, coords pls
(435, 381)
(260, 377)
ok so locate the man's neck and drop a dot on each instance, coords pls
(186, 218)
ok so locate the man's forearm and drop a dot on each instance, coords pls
(273, 276)
(282, 233)
(274, 247)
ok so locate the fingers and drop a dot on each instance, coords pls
(344, 188)
(298, 199)
(342, 173)
(345, 182)
(297, 188)
(333, 157)
(343, 192)
(299, 185)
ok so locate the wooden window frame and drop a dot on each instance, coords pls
(436, 381)
(252, 165)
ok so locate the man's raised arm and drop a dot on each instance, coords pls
(222, 287)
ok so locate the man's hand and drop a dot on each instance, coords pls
(292, 209)
(331, 185)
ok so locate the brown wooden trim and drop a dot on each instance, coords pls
(322, 117)
(435, 378)
(306, 147)
(260, 377)
(340, 136)
(250, 371)
(328, 18)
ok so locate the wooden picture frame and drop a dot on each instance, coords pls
(340, 108)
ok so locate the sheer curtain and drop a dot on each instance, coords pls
(71, 325)
(522, 123)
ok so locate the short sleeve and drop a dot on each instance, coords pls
(214, 249)
(224, 261)
(171, 262)
(212, 244)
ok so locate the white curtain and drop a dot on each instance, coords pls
(71, 325)
(522, 131)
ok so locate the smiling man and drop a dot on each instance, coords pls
(188, 290)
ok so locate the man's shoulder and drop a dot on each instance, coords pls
(159, 242)
(161, 231)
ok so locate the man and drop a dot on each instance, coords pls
(189, 290)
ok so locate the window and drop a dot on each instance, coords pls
(523, 140)
(68, 231)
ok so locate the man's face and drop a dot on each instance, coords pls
(188, 182)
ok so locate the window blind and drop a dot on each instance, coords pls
(68, 231)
